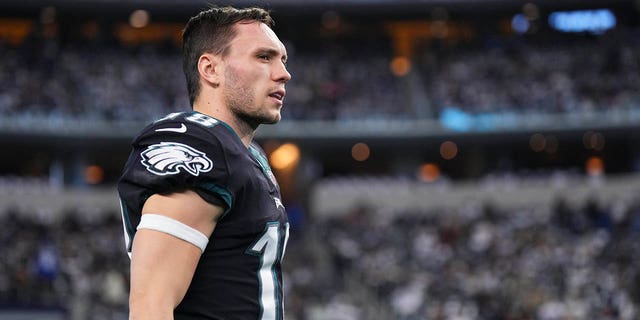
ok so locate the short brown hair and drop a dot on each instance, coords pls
(211, 31)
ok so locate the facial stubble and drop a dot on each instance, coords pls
(239, 95)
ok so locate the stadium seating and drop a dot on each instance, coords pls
(341, 83)
(476, 262)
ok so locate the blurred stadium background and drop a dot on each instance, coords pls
(452, 159)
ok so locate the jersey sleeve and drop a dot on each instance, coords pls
(174, 156)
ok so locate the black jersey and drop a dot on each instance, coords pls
(238, 275)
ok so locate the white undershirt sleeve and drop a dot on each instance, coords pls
(175, 228)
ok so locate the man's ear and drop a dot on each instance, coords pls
(210, 69)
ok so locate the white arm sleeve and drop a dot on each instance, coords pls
(175, 228)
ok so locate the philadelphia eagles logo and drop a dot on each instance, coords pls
(169, 157)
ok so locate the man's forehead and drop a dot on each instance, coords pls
(257, 34)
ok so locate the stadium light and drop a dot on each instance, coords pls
(429, 172)
(594, 21)
(285, 156)
(400, 66)
(594, 166)
(593, 140)
(360, 152)
(448, 150)
(139, 19)
(93, 174)
(520, 24)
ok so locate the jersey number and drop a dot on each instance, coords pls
(270, 248)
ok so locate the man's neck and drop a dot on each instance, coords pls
(243, 129)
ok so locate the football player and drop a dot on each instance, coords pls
(204, 223)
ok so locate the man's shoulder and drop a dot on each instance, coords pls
(182, 122)
(186, 126)
(181, 146)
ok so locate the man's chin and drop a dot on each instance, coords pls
(274, 119)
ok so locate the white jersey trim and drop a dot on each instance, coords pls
(175, 228)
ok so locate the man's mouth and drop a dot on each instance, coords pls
(278, 95)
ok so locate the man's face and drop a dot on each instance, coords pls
(255, 74)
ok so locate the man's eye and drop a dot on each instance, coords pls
(264, 57)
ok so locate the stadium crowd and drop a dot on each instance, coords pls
(477, 263)
(481, 262)
(73, 264)
(44, 80)
(552, 75)
(336, 80)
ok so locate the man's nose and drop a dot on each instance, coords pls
(281, 74)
